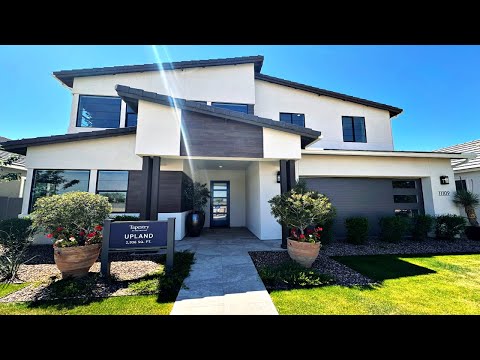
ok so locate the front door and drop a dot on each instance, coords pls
(220, 204)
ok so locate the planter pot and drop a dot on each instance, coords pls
(194, 223)
(76, 261)
(472, 232)
(303, 253)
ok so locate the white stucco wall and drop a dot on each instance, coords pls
(281, 145)
(472, 179)
(270, 228)
(179, 222)
(252, 198)
(324, 113)
(237, 192)
(428, 169)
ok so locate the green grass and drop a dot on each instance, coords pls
(6, 289)
(154, 294)
(446, 284)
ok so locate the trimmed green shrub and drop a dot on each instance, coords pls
(448, 226)
(327, 233)
(126, 218)
(421, 226)
(357, 230)
(15, 229)
(393, 228)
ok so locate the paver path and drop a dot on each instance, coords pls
(223, 280)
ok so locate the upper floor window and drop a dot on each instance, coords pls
(131, 117)
(354, 129)
(292, 118)
(235, 107)
(98, 111)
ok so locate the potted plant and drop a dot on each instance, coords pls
(469, 201)
(300, 210)
(73, 222)
(196, 195)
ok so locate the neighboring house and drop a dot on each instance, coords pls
(137, 134)
(467, 174)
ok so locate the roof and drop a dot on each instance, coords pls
(391, 109)
(4, 155)
(20, 146)
(67, 76)
(132, 95)
(468, 147)
(416, 154)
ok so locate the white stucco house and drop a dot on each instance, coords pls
(12, 189)
(467, 174)
(137, 133)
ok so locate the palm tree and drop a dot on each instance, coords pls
(469, 201)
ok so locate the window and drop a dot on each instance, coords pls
(406, 212)
(98, 112)
(407, 199)
(114, 184)
(131, 119)
(403, 184)
(460, 185)
(55, 182)
(235, 107)
(354, 129)
(291, 118)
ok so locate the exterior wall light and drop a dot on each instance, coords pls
(278, 177)
(444, 180)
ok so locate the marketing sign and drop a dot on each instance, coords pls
(138, 234)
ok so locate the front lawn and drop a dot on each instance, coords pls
(443, 284)
(6, 289)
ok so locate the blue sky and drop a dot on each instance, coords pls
(437, 86)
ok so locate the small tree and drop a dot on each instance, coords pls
(469, 201)
(196, 195)
(301, 210)
(9, 176)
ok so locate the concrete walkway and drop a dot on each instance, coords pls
(223, 280)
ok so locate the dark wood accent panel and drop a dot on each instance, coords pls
(136, 195)
(185, 205)
(154, 207)
(210, 136)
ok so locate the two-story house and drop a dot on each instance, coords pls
(137, 133)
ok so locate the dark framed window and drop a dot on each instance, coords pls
(56, 182)
(98, 111)
(406, 212)
(131, 117)
(293, 118)
(460, 185)
(114, 185)
(235, 107)
(354, 129)
(405, 199)
(403, 184)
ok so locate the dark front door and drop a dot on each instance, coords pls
(220, 204)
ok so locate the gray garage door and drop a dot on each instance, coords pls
(369, 197)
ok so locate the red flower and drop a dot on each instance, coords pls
(81, 233)
(302, 236)
(59, 228)
(91, 235)
(49, 236)
(309, 231)
(98, 227)
(320, 229)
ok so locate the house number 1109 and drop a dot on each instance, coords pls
(444, 193)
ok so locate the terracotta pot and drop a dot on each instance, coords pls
(76, 261)
(303, 253)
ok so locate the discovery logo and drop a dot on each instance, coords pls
(139, 227)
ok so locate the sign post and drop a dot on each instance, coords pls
(130, 236)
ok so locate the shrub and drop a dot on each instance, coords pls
(72, 218)
(393, 228)
(448, 226)
(290, 275)
(126, 218)
(357, 229)
(421, 226)
(12, 254)
(15, 229)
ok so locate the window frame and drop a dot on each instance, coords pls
(353, 129)
(98, 96)
(291, 117)
(125, 191)
(224, 103)
(30, 200)
(126, 116)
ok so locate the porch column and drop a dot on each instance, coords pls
(147, 185)
(154, 188)
(287, 182)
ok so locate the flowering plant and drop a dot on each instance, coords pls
(310, 235)
(65, 238)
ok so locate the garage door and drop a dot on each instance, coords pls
(369, 197)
